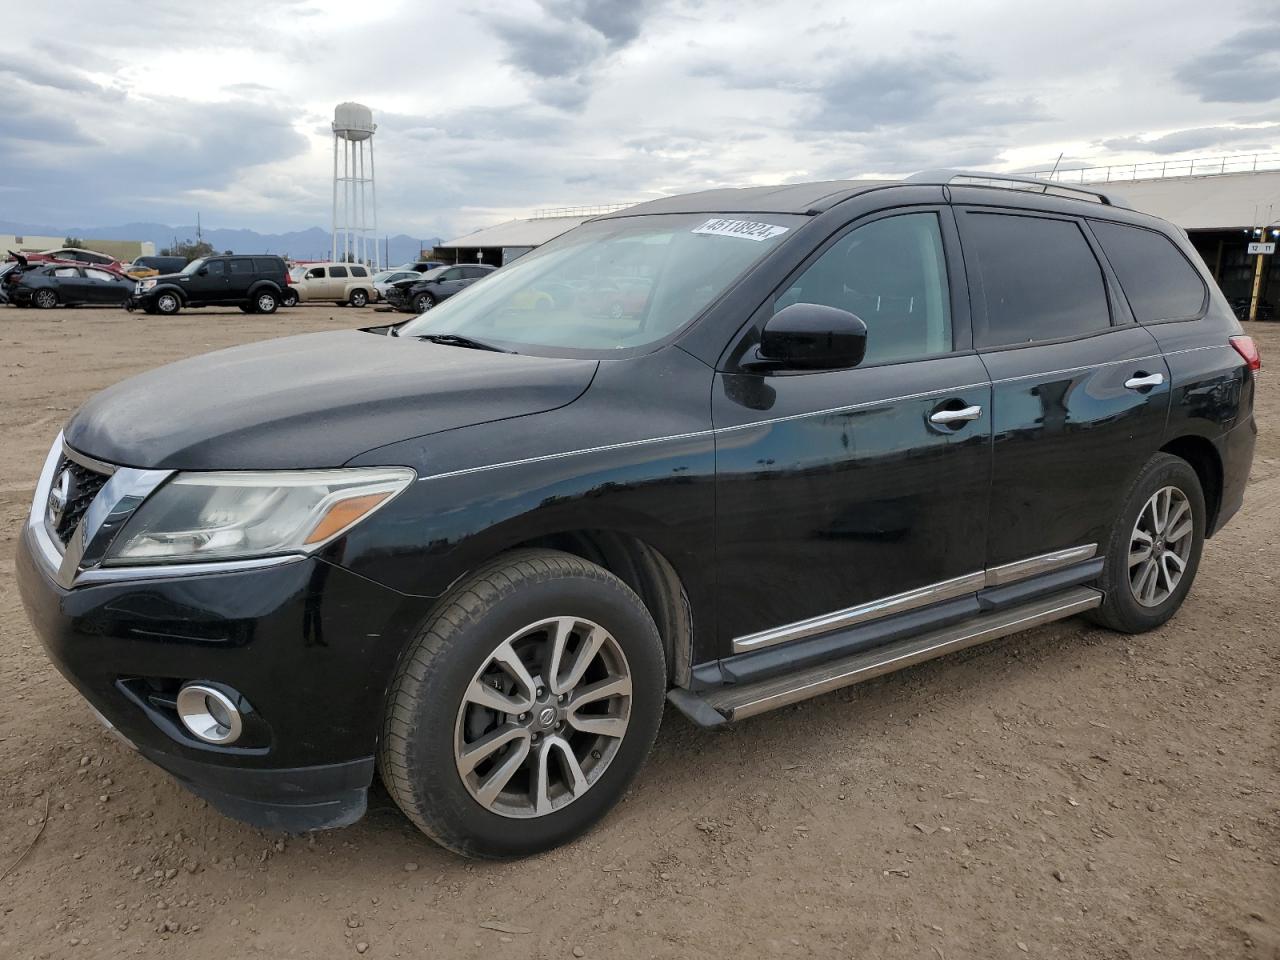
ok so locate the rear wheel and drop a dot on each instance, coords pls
(45, 299)
(522, 712)
(1155, 547)
(265, 302)
(358, 298)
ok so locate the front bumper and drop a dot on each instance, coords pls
(309, 646)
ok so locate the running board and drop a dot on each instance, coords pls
(730, 703)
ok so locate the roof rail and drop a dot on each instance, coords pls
(998, 179)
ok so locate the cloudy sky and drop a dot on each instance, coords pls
(119, 111)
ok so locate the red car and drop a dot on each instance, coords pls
(77, 257)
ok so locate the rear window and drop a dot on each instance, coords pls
(337, 271)
(1158, 280)
(1039, 276)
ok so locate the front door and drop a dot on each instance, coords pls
(1080, 392)
(839, 489)
(207, 284)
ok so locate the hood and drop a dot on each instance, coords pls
(315, 400)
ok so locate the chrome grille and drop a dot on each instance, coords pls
(82, 485)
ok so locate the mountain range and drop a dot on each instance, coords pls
(310, 244)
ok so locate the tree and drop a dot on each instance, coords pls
(189, 249)
(73, 242)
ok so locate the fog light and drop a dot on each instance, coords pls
(209, 714)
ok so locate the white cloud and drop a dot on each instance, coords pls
(152, 111)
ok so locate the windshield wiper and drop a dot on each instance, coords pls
(453, 340)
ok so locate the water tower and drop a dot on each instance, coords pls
(355, 198)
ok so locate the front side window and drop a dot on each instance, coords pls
(338, 272)
(893, 275)
(1156, 277)
(1039, 276)
(315, 273)
(614, 284)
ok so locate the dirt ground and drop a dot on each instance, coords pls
(1064, 793)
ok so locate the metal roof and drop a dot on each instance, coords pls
(1221, 202)
(517, 233)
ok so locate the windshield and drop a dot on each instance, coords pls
(297, 273)
(194, 265)
(609, 285)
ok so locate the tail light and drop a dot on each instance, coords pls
(1249, 351)
(288, 280)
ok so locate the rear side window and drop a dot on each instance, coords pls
(892, 274)
(239, 267)
(1158, 281)
(1040, 279)
(268, 265)
(359, 272)
(337, 271)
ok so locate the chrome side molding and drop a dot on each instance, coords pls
(898, 603)
(913, 599)
(738, 703)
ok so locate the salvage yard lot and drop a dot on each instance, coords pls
(1064, 793)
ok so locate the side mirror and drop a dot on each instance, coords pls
(810, 336)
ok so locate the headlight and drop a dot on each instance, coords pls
(220, 516)
(146, 285)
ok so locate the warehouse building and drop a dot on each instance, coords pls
(500, 244)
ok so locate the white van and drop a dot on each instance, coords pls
(349, 283)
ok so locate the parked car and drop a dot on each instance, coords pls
(872, 423)
(1240, 306)
(256, 284)
(343, 283)
(420, 266)
(46, 285)
(148, 266)
(385, 278)
(10, 271)
(434, 286)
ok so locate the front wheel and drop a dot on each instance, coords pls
(290, 299)
(168, 304)
(1155, 547)
(522, 712)
(424, 302)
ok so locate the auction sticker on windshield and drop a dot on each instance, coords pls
(746, 229)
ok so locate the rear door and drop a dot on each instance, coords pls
(240, 277)
(846, 495)
(336, 286)
(1080, 392)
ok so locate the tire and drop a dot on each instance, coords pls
(45, 299)
(168, 303)
(358, 298)
(264, 301)
(246, 308)
(290, 299)
(428, 722)
(424, 302)
(1123, 609)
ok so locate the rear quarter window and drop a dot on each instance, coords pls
(1158, 280)
(359, 272)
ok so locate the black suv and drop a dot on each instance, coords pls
(853, 426)
(435, 286)
(255, 284)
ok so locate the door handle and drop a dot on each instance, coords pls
(1144, 380)
(964, 415)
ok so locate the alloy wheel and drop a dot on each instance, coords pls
(46, 299)
(167, 303)
(1160, 546)
(543, 717)
(266, 303)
